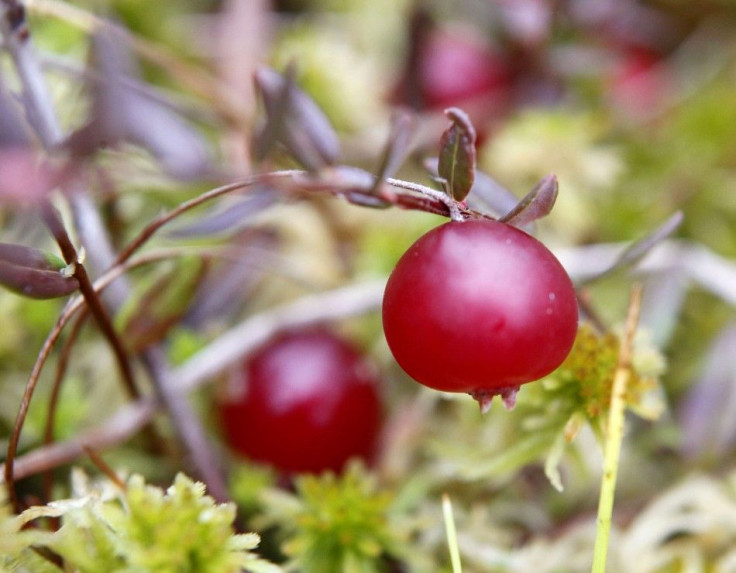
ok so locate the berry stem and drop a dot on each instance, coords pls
(449, 202)
(614, 433)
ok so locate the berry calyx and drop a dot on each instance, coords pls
(479, 307)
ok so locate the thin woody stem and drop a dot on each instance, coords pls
(61, 368)
(93, 301)
(444, 198)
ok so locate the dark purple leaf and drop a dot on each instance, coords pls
(30, 257)
(228, 218)
(457, 154)
(123, 110)
(537, 203)
(13, 130)
(34, 273)
(487, 193)
(402, 129)
(295, 121)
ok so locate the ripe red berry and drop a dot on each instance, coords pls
(479, 307)
(308, 402)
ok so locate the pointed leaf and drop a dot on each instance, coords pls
(13, 130)
(457, 154)
(491, 194)
(124, 109)
(295, 120)
(30, 257)
(224, 220)
(280, 127)
(535, 205)
(638, 249)
(34, 273)
(402, 128)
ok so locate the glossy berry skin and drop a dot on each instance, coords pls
(479, 307)
(308, 402)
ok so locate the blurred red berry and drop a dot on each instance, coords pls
(307, 402)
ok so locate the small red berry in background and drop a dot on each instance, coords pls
(307, 402)
(454, 69)
(453, 66)
(479, 307)
(640, 83)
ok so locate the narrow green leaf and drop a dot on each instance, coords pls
(457, 154)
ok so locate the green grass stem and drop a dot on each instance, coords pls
(451, 534)
(614, 434)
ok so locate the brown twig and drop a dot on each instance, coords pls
(93, 301)
(26, 402)
(421, 198)
(126, 422)
(61, 368)
(151, 229)
(103, 466)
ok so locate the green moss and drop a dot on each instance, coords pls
(142, 528)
